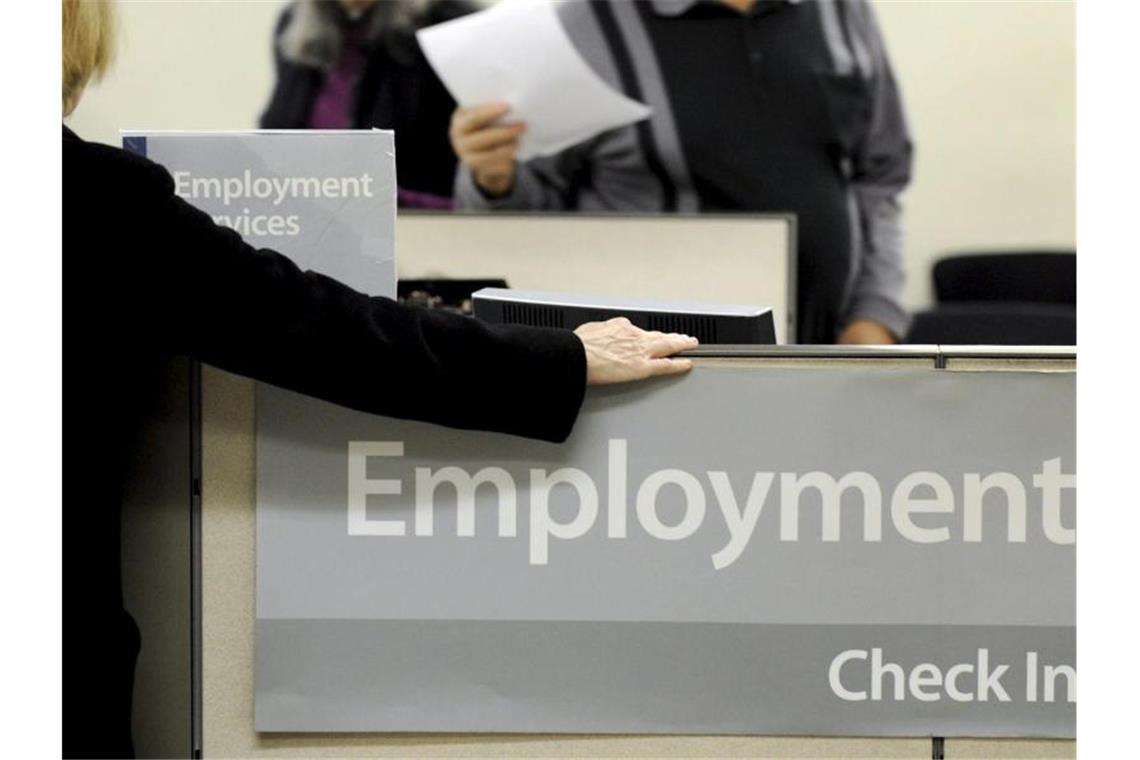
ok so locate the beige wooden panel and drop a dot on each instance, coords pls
(708, 259)
(1011, 365)
(984, 749)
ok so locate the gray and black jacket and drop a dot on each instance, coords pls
(792, 108)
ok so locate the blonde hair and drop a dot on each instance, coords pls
(88, 46)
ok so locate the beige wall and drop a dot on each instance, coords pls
(184, 64)
(989, 87)
(990, 90)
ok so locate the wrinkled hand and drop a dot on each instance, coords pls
(487, 148)
(866, 332)
(619, 352)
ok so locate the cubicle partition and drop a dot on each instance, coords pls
(230, 671)
(747, 259)
(828, 409)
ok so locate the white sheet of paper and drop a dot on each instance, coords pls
(517, 52)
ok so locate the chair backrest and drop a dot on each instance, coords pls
(996, 324)
(1027, 276)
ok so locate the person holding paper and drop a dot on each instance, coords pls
(758, 105)
(147, 275)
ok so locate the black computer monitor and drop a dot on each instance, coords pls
(709, 323)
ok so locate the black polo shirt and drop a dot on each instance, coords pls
(760, 116)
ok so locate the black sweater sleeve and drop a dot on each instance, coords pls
(183, 284)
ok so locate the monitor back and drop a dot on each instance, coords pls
(709, 258)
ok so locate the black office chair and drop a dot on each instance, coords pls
(1026, 277)
(1014, 298)
(996, 324)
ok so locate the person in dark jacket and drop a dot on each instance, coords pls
(146, 275)
(758, 106)
(355, 64)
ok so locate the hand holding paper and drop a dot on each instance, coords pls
(487, 146)
(518, 53)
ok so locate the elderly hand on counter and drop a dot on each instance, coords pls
(617, 352)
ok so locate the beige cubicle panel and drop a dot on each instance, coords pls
(228, 562)
(1002, 359)
(730, 259)
(1007, 749)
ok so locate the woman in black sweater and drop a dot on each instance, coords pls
(146, 275)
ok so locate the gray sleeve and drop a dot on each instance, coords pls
(604, 172)
(881, 170)
(541, 184)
